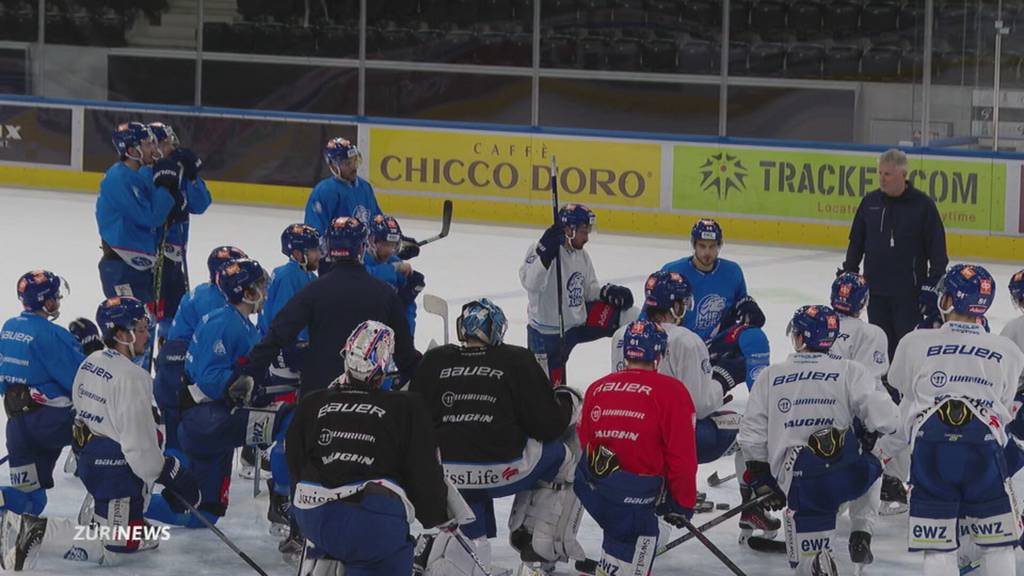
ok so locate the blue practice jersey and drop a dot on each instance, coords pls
(130, 212)
(212, 359)
(714, 292)
(199, 199)
(202, 300)
(387, 272)
(333, 198)
(287, 280)
(40, 354)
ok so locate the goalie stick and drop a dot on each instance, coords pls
(438, 306)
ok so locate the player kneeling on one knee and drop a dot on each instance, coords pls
(798, 441)
(118, 446)
(217, 402)
(591, 311)
(364, 463)
(630, 419)
(503, 431)
(958, 383)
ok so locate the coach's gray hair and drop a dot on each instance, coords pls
(895, 157)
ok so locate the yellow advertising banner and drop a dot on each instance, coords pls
(515, 166)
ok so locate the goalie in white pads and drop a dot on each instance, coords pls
(503, 431)
(798, 439)
(958, 384)
(364, 466)
(119, 449)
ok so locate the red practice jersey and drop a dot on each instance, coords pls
(648, 420)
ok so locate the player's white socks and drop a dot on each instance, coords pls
(998, 561)
(864, 510)
(940, 563)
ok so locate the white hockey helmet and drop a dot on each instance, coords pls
(368, 352)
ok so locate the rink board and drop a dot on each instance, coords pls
(798, 195)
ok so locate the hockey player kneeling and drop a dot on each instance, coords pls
(958, 383)
(118, 445)
(799, 445)
(638, 436)
(502, 431)
(364, 466)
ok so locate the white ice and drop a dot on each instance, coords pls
(57, 231)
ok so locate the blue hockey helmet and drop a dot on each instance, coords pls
(369, 353)
(818, 325)
(345, 239)
(970, 287)
(576, 215)
(299, 237)
(1017, 289)
(385, 229)
(38, 286)
(218, 256)
(644, 341)
(339, 150)
(130, 136)
(235, 277)
(849, 293)
(707, 229)
(163, 133)
(663, 289)
(120, 313)
(482, 320)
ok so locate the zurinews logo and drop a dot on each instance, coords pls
(9, 133)
(97, 532)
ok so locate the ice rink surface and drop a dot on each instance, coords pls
(57, 231)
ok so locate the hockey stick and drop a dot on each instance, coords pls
(714, 480)
(558, 275)
(4, 459)
(158, 280)
(714, 549)
(712, 523)
(257, 469)
(223, 537)
(439, 306)
(446, 224)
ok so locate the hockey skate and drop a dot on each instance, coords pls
(247, 461)
(860, 551)
(532, 564)
(292, 546)
(756, 518)
(20, 536)
(894, 496)
(277, 512)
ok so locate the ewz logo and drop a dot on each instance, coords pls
(816, 544)
(931, 532)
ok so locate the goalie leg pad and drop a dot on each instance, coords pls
(448, 557)
(551, 513)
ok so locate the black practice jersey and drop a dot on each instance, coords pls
(345, 435)
(486, 402)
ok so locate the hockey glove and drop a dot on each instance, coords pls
(726, 344)
(928, 301)
(867, 439)
(87, 334)
(414, 284)
(549, 244)
(673, 513)
(571, 399)
(167, 173)
(758, 476)
(410, 248)
(618, 296)
(745, 312)
(190, 163)
(179, 485)
(729, 372)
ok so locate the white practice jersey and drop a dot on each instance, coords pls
(686, 359)
(579, 287)
(958, 360)
(1014, 330)
(864, 343)
(808, 392)
(114, 397)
